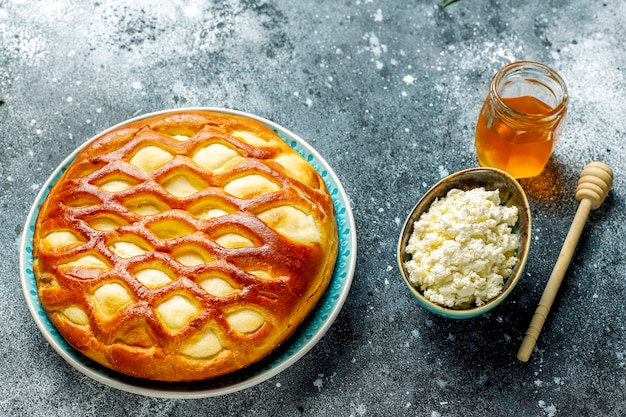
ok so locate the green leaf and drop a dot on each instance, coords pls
(445, 3)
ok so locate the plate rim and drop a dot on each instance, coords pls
(265, 374)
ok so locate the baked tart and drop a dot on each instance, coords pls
(184, 246)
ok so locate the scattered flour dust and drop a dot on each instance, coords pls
(359, 409)
(549, 410)
(375, 47)
(318, 383)
(378, 17)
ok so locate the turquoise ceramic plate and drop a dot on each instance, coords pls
(301, 342)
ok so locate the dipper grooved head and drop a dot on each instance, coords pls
(594, 183)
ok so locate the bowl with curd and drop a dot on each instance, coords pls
(464, 245)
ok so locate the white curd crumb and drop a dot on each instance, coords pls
(463, 248)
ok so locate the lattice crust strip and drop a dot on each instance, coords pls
(185, 246)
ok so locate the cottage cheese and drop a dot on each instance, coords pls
(463, 248)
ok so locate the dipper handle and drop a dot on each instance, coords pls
(593, 187)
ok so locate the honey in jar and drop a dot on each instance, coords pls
(521, 119)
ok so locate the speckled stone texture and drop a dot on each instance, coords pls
(388, 93)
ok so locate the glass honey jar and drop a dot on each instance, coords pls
(521, 119)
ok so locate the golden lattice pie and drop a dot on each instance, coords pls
(184, 246)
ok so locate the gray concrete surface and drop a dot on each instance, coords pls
(388, 93)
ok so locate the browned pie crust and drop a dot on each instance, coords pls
(184, 246)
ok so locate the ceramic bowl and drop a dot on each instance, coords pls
(511, 194)
(308, 334)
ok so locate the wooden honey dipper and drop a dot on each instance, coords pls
(593, 187)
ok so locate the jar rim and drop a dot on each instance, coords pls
(539, 70)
